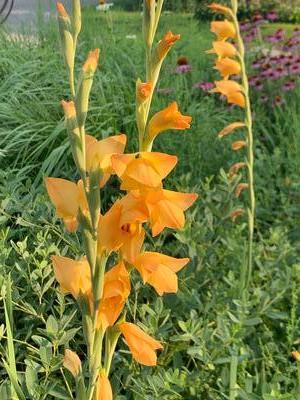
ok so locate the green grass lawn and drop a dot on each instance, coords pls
(208, 327)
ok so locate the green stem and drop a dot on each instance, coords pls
(250, 156)
(233, 377)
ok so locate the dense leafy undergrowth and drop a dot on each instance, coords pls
(209, 325)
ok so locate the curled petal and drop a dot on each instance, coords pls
(235, 168)
(239, 144)
(240, 187)
(236, 213)
(230, 128)
(220, 9)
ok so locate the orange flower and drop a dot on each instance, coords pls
(91, 62)
(72, 362)
(223, 29)
(223, 49)
(73, 276)
(227, 67)
(166, 208)
(165, 44)
(67, 198)
(236, 213)
(143, 90)
(69, 109)
(99, 153)
(296, 356)
(159, 270)
(121, 228)
(61, 10)
(115, 292)
(143, 170)
(232, 90)
(220, 8)
(230, 128)
(168, 118)
(141, 345)
(104, 390)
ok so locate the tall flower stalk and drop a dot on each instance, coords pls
(115, 236)
(231, 61)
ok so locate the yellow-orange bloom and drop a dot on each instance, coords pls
(223, 29)
(168, 118)
(223, 49)
(143, 170)
(227, 66)
(61, 10)
(73, 276)
(91, 62)
(67, 197)
(232, 90)
(121, 228)
(143, 90)
(159, 270)
(166, 208)
(99, 153)
(230, 128)
(165, 44)
(69, 109)
(115, 292)
(141, 345)
(296, 355)
(72, 362)
(103, 390)
(220, 8)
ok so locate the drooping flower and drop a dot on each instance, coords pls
(230, 128)
(103, 390)
(67, 198)
(159, 270)
(234, 169)
(73, 276)
(240, 187)
(238, 144)
(99, 153)
(72, 362)
(223, 29)
(115, 293)
(141, 345)
(238, 212)
(227, 66)
(168, 118)
(223, 49)
(232, 90)
(143, 170)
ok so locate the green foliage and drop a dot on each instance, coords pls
(209, 325)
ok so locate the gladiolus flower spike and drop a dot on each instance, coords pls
(118, 232)
(231, 61)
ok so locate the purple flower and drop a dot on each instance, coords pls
(280, 72)
(294, 69)
(258, 85)
(256, 64)
(263, 98)
(272, 16)
(288, 86)
(205, 86)
(183, 69)
(244, 26)
(296, 31)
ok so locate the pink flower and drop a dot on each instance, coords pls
(183, 69)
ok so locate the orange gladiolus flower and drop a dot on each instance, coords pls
(238, 144)
(143, 170)
(143, 90)
(220, 8)
(103, 390)
(166, 208)
(234, 169)
(91, 62)
(240, 187)
(73, 276)
(165, 44)
(72, 362)
(121, 228)
(99, 153)
(67, 197)
(115, 292)
(169, 118)
(223, 29)
(228, 67)
(232, 90)
(159, 270)
(141, 345)
(223, 49)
